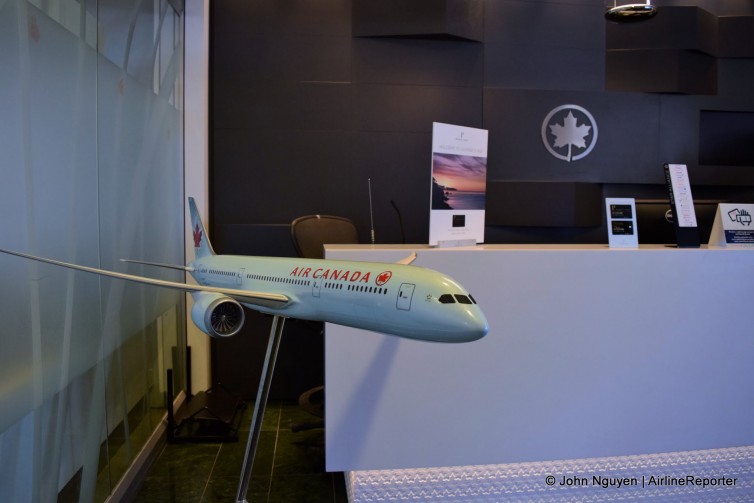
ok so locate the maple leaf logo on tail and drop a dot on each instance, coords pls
(571, 131)
(197, 236)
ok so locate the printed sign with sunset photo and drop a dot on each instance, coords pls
(459, 177)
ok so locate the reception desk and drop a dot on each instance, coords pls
(592, 353)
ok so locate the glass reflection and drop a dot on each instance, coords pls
(92, 169)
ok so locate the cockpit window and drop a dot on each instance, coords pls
(462, 299)
(447, 299)
(472, 299)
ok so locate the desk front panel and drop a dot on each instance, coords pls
(591, 353)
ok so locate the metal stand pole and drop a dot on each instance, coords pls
(276, 333)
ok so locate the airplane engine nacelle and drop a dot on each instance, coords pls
(217, 315)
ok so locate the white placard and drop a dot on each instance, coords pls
(622, 231)
(684, 203)
(458, 186)
(733, 226)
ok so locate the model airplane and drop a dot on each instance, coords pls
(396, 299)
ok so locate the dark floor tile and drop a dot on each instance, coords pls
(293, 415)
(300, 453)
(231, 456)
(270, 419)
(181, 473)
(185, 460)
(225, 489)
(302, 488)
(156, 490)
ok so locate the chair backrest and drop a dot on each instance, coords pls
(310, 233)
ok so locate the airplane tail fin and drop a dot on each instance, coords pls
(202, 246)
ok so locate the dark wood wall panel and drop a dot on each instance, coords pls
(568, 204)
(283, 105)
(275, 176)
(419, 62)
(436, 18)
(544, 45)
(281, 17)
(734, 82)
(735, 40)
(298, 58)
(414, 108)
(399, 165)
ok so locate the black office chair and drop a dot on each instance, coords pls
(310, 233)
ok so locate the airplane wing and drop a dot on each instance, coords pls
(408, 260)
(272, 300)
(158, 264)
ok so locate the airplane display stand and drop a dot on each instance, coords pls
(273, 345)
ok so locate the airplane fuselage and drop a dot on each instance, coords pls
(396, 299)
(392, 298)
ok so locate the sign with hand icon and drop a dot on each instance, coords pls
(733, 226)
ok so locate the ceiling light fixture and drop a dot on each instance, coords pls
(630, 12)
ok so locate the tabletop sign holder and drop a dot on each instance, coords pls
(733, 226)
(682, 204)
(621, 222)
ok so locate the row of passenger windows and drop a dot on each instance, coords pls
(329, 284)
(221, 273)
(277, 279)
(452, 299)
(367, 289)
(274, 279)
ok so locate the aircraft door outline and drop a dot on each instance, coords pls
(405, 294)
(240, 275)
(317, 287)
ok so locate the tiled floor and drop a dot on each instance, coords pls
(289, 467)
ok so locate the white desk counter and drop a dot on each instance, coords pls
(591, 353)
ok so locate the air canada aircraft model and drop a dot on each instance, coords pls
(397, 299)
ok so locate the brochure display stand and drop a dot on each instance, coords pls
(682, 204)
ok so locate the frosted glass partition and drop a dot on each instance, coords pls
(91, 171)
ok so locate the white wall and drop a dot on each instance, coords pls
(196, 159)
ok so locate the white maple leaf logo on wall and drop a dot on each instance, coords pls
(569, 133)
